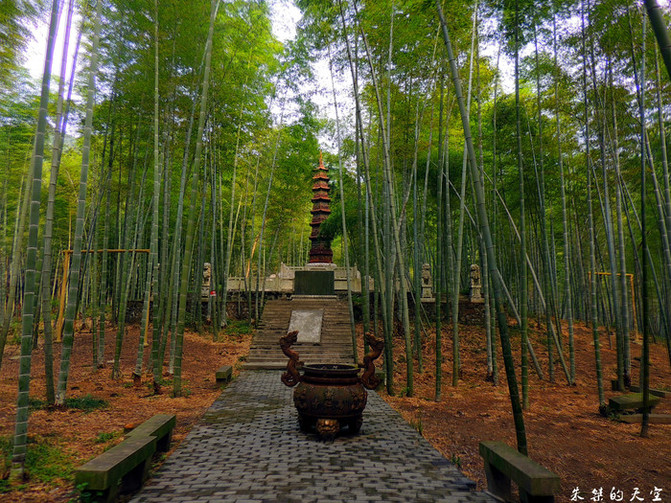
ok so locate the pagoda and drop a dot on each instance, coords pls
(320, 251)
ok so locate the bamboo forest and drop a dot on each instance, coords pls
(473, 196)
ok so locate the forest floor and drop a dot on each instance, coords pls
(565, 432)
(61, 440)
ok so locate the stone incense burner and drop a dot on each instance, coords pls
(330, 396)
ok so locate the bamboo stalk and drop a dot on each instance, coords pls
(486, 233)
(31, 288)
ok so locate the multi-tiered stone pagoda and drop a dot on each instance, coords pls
(320, 251)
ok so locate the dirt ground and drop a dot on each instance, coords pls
(565, 432)
(80, 433)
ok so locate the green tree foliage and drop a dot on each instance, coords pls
(16, 17)
(17, 127)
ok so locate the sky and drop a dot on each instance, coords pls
(285, 15)
(37, 47)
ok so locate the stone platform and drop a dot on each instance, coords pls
(248, 448)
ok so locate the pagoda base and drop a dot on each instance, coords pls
(319, 280)
(321, 266)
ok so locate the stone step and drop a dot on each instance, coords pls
(308, 352)
(330, 317)
(288, 307)
(326, 331)
(327, 334)
(307, 360)
(302, 354)
(331, 355)
(303, 351)
(333, 335)
(313, 359)
(274, 342)
(283, 329)
(278, 365)
(264, 366)
(335, 345)
(284, 320)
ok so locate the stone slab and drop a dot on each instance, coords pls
(656, 392)
(308, 323)
(315, 282)
(630, 401)
(224, 373)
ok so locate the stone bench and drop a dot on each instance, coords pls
(159, 426)
(631, 401)
(123, 468)
(224, 374)
(504, 464)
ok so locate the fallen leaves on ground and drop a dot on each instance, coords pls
(83, 435)
(565, 432)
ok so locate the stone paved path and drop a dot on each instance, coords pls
(248, 448)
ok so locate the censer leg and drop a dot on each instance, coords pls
(328, 428)
(355, 425)
(305, 423)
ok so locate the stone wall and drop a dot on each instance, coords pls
(283, 281)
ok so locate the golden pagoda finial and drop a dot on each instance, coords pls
(321, 161)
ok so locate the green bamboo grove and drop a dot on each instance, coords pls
(528, 138)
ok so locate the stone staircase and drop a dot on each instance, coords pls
(336, 339)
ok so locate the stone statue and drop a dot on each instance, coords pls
(207, 279)
(427, 283)
(476, 284)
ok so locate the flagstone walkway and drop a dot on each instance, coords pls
(248, 448)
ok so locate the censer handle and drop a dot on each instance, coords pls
(368, 378)
(291, 377)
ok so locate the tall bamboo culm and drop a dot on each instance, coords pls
(191, 224)
(31, 288)
(518, 415)
(68, 325)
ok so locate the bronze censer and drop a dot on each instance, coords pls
(330, 396)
